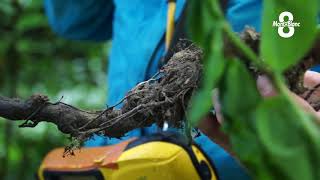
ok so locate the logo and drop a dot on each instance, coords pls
(282, 24)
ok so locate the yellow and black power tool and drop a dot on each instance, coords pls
(161, 156)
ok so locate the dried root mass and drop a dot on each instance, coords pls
(162, 98)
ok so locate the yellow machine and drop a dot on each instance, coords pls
(158, 157)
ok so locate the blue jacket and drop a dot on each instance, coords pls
(137, 28)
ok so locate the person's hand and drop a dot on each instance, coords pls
(211, 126)
(311, 79)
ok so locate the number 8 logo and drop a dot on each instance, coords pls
(280, 29)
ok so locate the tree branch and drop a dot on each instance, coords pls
(162, 98)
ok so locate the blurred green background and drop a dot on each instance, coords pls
(35, 60)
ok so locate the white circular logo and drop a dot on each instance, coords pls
(282, 24)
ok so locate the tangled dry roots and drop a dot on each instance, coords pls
(163, 98)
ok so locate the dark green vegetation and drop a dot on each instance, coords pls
(273, 137)
(33, 60)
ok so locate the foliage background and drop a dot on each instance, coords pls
(35, 60)
(272, 137)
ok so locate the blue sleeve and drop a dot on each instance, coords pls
(81, 19)
(241, 13)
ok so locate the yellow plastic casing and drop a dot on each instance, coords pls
(156, 161)
(151, 160)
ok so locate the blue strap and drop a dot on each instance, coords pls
(227, 167)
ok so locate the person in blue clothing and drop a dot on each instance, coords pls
(137, 30)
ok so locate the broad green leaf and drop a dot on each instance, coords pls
(239, 94)
(280, 53)
(199, 22)
(203, 16)
(201, 104)
(246, 145)
(284, 140)
(202, 101)
(239, 98)
(213, 70)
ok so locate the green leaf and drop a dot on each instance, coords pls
(7, 8)
(239, 94)
(239, 98)
(29, 46)
(213, 70)
(246, 145)
(203, 16)
(280, 53)
(199, 23)
(31, 21)
(201, 104)
(202, 101)
(285, 141)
